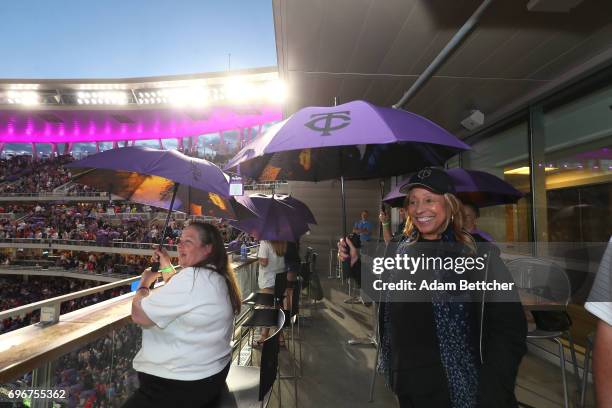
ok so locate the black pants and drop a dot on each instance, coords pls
(162, 392)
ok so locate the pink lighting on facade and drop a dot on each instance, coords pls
(78, 126)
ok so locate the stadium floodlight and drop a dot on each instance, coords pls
(24, 86)
(102, 97)
(193, 96)
(101, 87)
(275, 91)
(23, 97)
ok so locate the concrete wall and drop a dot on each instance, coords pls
(324, 200)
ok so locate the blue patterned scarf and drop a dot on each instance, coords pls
(453, 319)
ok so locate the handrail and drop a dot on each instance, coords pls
(121, 216)
(89, 243)
(269, 185)
(64, 298)
(56, 194)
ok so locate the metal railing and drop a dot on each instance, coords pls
(56, 194)
(58, 300)
(122, 216)
(269, 185)
(85, 243)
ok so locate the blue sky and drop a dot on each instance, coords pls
(133, 38)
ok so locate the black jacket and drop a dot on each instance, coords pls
(499, 333)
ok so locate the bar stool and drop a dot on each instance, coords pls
(585, 371)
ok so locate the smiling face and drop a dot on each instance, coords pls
(428, 212)
(191, 251)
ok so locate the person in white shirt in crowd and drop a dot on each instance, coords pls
(599, 303)
(271, 258)
(187, 323)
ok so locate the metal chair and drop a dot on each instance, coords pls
(548, 285)
(269, 299)
(249, 387)
(585, 371)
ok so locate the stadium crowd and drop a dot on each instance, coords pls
(15, 293)
(99, 374)
(21, 174)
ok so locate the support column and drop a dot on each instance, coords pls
(196, 144)
(180, 144)
(539, 204)
(190, 144)
(34, 152)
(161, 145)
(115, 144)
(1, 147)
(241, 144)
(67, 148)
(54, 149)
(97, 147)
(250, 135)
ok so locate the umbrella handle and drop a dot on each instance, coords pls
(155, 265)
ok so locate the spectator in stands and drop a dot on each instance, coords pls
(271, 258)
(187, 323)
(470, 214)
(363, 227)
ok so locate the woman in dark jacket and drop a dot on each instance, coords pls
(452, 348)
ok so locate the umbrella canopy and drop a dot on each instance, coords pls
(276, 218)
(477, 187)
(148, 176)
(355, 140)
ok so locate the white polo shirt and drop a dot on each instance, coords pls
(599, 302)
(194, 319)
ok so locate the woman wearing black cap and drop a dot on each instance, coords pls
(456, 349)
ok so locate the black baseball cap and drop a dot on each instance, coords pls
(431, 178)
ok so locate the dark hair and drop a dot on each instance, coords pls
(355, 239)
(218, 259)
(473, 207)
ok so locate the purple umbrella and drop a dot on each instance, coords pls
(356, 140)
(150, 176)
(477, 187)
(160, 178)
(276, 218)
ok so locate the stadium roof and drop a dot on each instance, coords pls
(71, 111)
(517, 53)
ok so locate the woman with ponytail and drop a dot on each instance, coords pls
(187, 323)
(449, 348)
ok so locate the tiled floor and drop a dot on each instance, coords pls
(338, 375)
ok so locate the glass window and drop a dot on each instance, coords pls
(578, 159)
(506, 156)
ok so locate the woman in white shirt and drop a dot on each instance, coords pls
(187, 323)
(271, 258)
